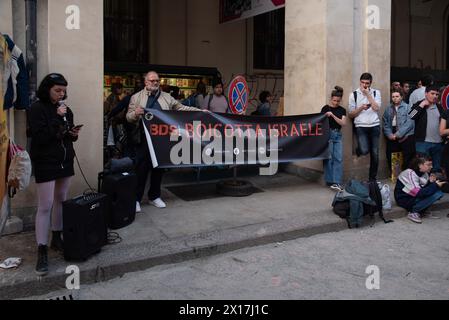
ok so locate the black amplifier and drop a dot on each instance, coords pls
(121, 191)
(84, 226)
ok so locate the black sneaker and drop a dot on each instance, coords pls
(42, 261)
(56, 242)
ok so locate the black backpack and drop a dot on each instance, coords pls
(342, 208)
(376, 196)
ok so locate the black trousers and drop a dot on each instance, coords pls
(407, 148)
(143, 167)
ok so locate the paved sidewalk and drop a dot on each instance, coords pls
(288, 208)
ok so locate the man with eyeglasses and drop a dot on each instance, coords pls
(151, 97)
(364, 107)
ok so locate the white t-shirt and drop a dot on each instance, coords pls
(394, 122)
(367, 118)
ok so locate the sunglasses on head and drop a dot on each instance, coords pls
(55, 76)
(58, 79)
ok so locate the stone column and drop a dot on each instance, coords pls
(78, 55)
(76, 51)
(374, 57)
(6, 17)
(328, 44)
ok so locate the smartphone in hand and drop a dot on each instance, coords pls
(78, 127)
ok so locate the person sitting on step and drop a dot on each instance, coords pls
(416, 189)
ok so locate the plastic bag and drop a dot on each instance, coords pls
(386, 197)
(11, 263)
(19, 173)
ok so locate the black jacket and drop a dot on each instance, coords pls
(420, 116)
(52, 150)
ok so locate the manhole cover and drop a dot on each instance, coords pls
(64, 297)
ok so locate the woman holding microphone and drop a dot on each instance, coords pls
(52, 136)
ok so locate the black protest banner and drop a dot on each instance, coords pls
(191, 139)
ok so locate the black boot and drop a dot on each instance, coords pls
(56, 241)
(42, 261)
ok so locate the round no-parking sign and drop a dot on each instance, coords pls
(445, 98)
(238, 95)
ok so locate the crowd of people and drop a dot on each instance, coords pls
(418, 129)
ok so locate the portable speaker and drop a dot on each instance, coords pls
(84, 226)
(121, 191)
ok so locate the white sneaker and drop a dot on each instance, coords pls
(138, 209)
(336, 187)
(414, 217)
(159, 203)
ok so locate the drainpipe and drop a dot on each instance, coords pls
(31, 46)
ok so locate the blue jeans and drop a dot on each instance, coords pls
(333, 167)
(368, 139)
(433, 150)
(422, 204)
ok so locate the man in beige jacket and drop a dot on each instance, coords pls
(151, 97)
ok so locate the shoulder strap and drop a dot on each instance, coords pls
(227, 102)
(156, 98)
(210, 100)
(355, 96)
(378, 198)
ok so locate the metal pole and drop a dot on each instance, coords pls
(31, 46)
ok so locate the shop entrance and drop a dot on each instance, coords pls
(420, 40)
(127, 45)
